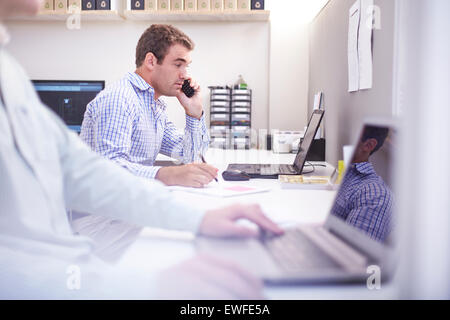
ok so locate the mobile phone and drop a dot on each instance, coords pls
(187, 89)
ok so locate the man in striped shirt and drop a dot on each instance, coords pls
(127, 122)
(364, 200)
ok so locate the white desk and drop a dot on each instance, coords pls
(159, 249)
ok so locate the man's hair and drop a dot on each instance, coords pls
(377, 133)
(158, 39)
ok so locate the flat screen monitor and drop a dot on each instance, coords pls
(307, 141)
(68, 98)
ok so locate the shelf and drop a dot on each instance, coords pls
(158, 16)
(94, 15)
(248, 15)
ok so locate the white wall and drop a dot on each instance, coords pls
(106, 51)
(424, 97)
(289, 61)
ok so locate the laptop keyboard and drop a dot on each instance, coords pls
(294, 251)
(271, 169)
(264, 169)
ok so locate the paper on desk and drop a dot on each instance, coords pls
(222, 190)
(365, 45)
(353, 59)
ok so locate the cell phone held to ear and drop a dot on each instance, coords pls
(187, 89)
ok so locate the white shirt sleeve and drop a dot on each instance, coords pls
(95, 185)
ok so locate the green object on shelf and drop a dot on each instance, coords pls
(241, 84)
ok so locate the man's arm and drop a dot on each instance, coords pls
(187, 147)
(95, 185)
(109, 130)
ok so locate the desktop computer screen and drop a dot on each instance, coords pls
(68, 98)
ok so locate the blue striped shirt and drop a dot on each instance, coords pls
(125, 124)
(365, 201)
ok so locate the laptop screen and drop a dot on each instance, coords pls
(68, 98)
(308, 138)
(365, 199)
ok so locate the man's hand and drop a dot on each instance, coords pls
(192, 106)
(195, 175)
(207, 277)
(222, 222)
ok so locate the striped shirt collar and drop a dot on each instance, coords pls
(138, 82)
(364, 168)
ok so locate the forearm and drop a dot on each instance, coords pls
(187, 147)
(148, 172)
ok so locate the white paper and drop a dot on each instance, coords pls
(353, 59)
(365, 45)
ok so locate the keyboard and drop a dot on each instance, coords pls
(274, 169)
(294, 251)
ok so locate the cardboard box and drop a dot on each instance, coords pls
(47, 5)
(137, 4)
(217, 5)
(176, 5)
(163, 5)
(88, 5)
(243, 5)
(230, 5)
(151, 5)
(61, 5)
(190, 5)
(203, 5)
(257, 5)
(74, 5)
(103, 5)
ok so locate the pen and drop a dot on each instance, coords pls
(203, 160)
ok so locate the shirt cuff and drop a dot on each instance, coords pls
(152, 172)
(194, 124)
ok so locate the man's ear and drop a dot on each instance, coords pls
(370, 145)
(150, 61)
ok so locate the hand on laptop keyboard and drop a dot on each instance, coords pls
(222, 222)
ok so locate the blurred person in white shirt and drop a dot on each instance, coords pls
(45, 170)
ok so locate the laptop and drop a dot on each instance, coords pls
(354, 236)
(272, 171)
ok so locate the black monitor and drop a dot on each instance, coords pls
(68, 98)
(305, 145)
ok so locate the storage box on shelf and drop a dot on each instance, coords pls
(89, 10)
(220, 102)
(241, 102)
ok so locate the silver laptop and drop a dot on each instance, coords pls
(357, 233)
(272, 171)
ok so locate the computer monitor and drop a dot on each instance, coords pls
(68, 98)
(305, 145)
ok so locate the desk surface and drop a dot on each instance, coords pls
(286, 207)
